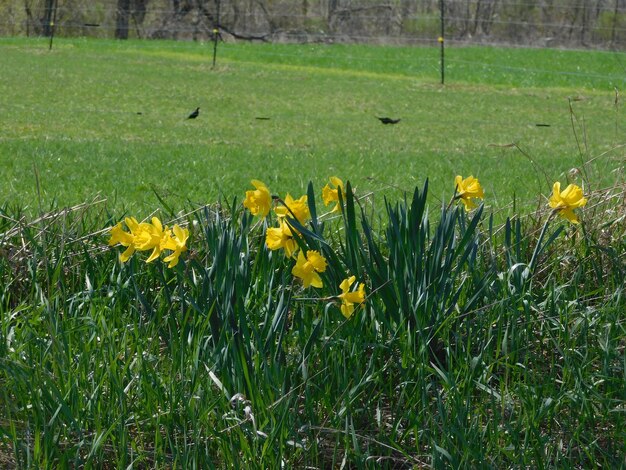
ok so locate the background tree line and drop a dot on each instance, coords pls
(574, 23)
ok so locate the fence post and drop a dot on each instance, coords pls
(52, 23)
(215, 34)
(441, 40)
(216, 31)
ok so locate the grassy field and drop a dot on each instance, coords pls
(401, 333)
(70, 117)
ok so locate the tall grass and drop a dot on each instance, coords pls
(478, 345)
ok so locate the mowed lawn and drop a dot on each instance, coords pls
(104, 118)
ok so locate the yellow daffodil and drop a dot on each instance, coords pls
(348, 298)
(468, 189)
(177, 243)
(330, 195)
(565, 202)
(149, 236)
(281, 237)
(153, 237)
(259, 200)
(297, 208)
(133, 240)
(118, 235)
(307, 268)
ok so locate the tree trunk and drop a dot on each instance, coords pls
(46, 21)
(405, 12)
(614, 25)
(477, 14)
(29, 18)
(487, 19)
(466, 19)
(332, 6)
(585, 23)
(123, 13)
(139, 8)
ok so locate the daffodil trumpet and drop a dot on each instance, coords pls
(564, 202)
(467, 190)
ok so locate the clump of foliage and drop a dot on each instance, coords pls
(273, 335)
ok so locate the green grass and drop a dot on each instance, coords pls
(480, 344)
(477, 346)
(70, 118)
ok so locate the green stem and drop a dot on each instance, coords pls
(533, 260)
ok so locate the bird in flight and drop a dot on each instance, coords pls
(195, 114)
(387, 120)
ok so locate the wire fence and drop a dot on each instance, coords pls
(468, 3)
(535, 25)
(71, 27)
(562, 23)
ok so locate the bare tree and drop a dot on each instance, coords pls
(614, 23)
(123, 14)
(29, 18)
(573, 22)
(46, 21)
(489, 9)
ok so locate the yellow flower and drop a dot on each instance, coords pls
(330, 195)
(348, 299)
(118, 235)
(152, 237)
(177, 243)
(281, 237)
(565, 202)
(308, 268)
(259, 200)
(295, 207)
(132, 240)
(149, 236)
(468, 189)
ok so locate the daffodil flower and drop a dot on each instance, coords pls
(565, 202)
(350, 298)
(281, 237)
(307, 268)
(153, 237)
(149, 236)
(259, 200)
(129, 240)
(468, 189)
(297, 208)
(177, 243)
(119, 236)
(330, 195)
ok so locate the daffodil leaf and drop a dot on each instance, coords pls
(312, 208)
(167, 207)
(303, 230)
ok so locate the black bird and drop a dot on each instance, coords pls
(195, 114)
(386, 120)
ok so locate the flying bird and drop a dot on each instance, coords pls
(195, 114)
(387, 120)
